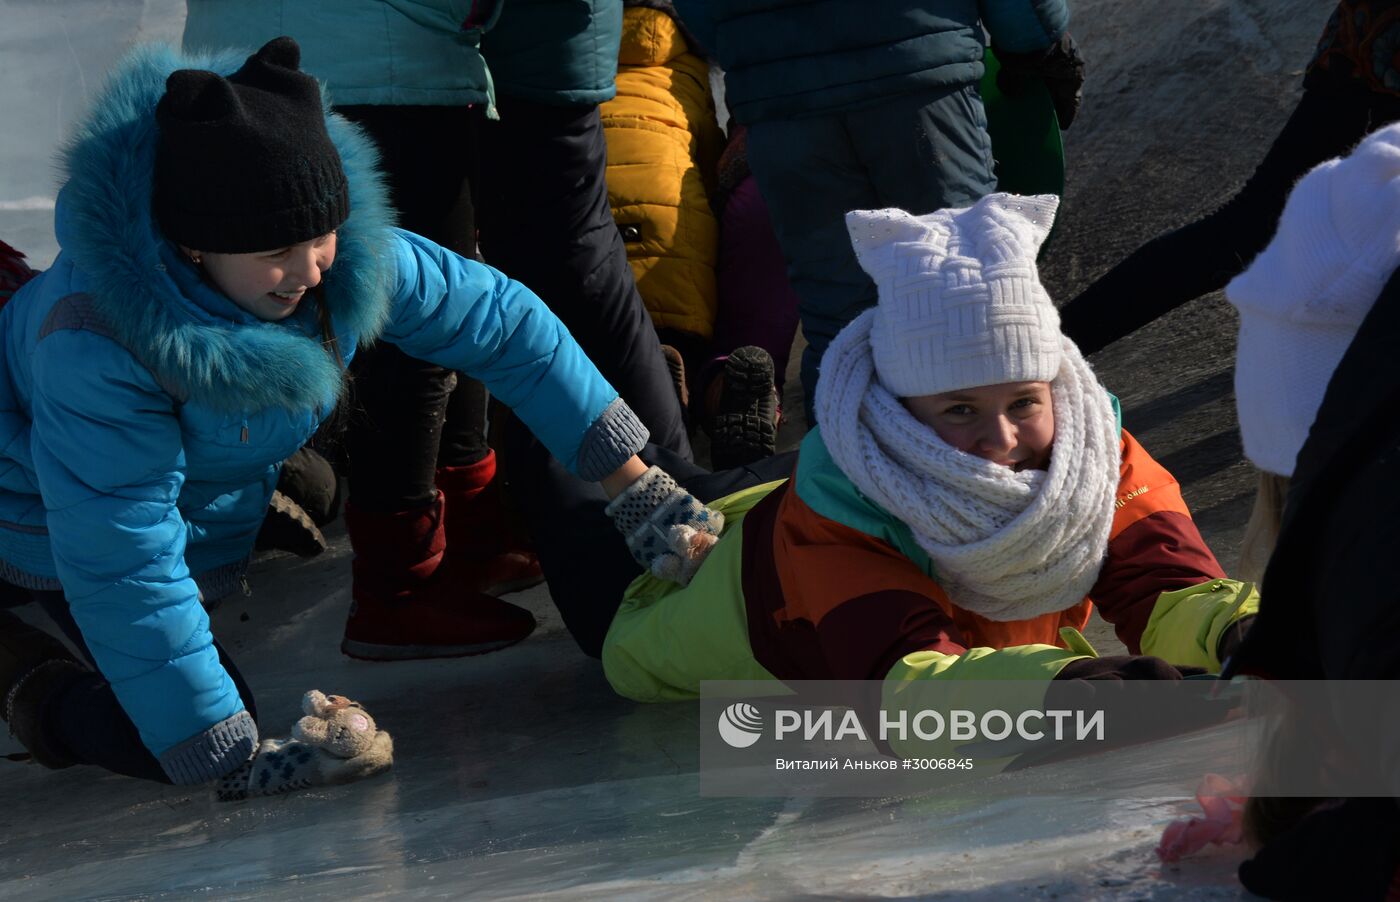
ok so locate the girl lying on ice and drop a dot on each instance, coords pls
(968, 498)
(226, 246)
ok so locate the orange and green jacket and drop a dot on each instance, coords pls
(812, 581)
(663, 151)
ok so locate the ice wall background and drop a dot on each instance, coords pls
(53, 56)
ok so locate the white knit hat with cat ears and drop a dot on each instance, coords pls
(960, 301)
(1303, 298)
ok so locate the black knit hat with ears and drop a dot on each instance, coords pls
(243, 163)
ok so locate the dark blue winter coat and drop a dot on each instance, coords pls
(788, 58)
(144, 416)
(559, 52)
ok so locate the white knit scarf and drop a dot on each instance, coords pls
(1005, 545)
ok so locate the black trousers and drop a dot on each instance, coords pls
(407, 416)
(541, 211)
(84, 717)
(542, 207)
(1201, 257)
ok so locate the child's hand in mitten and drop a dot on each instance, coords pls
(667, 530)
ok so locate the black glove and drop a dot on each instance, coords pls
(1059, 66)
(1125, 667)
(1091, 684)
(1100, 683)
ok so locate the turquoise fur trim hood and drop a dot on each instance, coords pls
(225, 359)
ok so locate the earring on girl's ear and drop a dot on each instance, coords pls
(196, 259)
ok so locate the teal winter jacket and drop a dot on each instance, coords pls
(784, 59)
(560, 52)
(430, 52)
(143, 416)
(383, 52)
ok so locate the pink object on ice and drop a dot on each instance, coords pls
(1222, 801)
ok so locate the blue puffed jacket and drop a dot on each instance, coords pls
(143, 416)
(783, 59)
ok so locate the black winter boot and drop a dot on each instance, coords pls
(308, 479)
(307, 497)
(33, 665)
(288, 527)
(744, 412)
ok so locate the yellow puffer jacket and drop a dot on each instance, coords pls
(663, 147)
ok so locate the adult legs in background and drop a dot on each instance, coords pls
(919, 152)
(422, 563)
(739, 387)
(487, 542)
(545, 221)
(757, 305)
(1202, 256)
(395, 428)
(427, 154)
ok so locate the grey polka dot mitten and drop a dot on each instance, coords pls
(233, 787)
(667, 530)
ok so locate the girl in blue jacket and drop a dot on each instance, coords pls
(226, 247)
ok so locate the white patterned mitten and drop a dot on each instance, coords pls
(278, 766)
(667, 530)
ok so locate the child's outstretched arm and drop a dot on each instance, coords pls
(467, 316)
(1160, 585)
(464, 315)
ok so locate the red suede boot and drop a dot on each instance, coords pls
(408, 601)
(487, 552)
